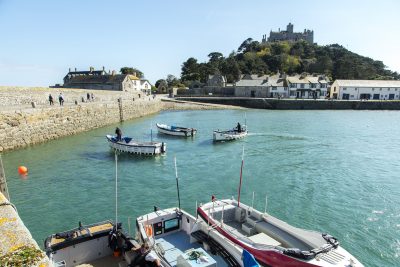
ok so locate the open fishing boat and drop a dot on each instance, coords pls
(176, 238)
(229, 135)
(176, 130)
(127, 144)
(97, 245)
(274, 242)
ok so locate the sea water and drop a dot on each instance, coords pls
(330, 171)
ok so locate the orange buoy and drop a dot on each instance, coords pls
(22, 170)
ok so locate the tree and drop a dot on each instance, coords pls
(130, 70)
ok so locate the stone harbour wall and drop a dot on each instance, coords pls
(21, 125)
(298, 104)
(16, 242)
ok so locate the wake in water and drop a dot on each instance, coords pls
(281, 136)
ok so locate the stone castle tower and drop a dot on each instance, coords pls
(289, 35)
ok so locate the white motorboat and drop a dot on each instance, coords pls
(176, 130)
(176, 238)
(99, 244)
(127, 144)
(229, 135)
(274, 242)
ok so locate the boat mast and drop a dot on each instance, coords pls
(177, 184)
(116, 190)
(241, 172)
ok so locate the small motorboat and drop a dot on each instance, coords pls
(127, 144)
(99, 244)
(176, 130)
(230, 135)
(274, 242)
(176, 238)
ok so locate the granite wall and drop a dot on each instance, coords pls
(306, 104)
(22, 125)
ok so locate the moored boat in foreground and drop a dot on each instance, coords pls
(274, 242)
(176, 130)
(179, 239)
(128, 145)
(95, 245)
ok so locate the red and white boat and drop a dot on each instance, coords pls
(274, 242)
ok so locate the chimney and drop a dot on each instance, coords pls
(113, 73)
(103, 68)
(69, 69)
(134, 74)
(75, 69)
(91, 69)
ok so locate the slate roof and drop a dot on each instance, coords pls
(252, 83)
(277, 81)
(368, 83)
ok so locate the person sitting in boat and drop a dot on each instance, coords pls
(146, 257)
(118, 132)
(239, 128)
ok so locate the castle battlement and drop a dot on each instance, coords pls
(289, 35)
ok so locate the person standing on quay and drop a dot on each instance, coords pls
(51, 100)
(61, 99)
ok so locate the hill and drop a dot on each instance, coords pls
(253, 57)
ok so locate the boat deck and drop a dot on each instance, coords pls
(108, 261)
(177, 243)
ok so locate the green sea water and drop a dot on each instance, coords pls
(331, 171)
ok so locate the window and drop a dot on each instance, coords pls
(344, 89)
(380, 89)
(388, 89)
(273, 87)
(293, 85)
(302, 85)
(171, 225)
(373, 89)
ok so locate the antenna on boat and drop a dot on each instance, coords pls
(116, 190)
(266, 202)
(177, 184)
(241, 172)
(151, 131)
(252, 202)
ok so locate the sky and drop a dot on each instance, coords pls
(40, 40)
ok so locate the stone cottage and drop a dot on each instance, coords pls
(99, 80)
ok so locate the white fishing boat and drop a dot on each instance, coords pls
(229, 135)
(97, 245)
(176, 238)
(176, 130)
(274, 242)
(128, 145)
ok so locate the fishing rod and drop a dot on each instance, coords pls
(177, 185)
(241, 172)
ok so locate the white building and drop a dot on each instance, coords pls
(145, 86)
(140, 84)
(307, 86)
(278, 86)
(365, 89)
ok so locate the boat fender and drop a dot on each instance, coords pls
(149, 230)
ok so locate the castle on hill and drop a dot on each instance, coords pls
(289, 35)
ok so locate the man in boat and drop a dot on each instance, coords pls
(239, 128)
(118, 132)
(146, 255)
